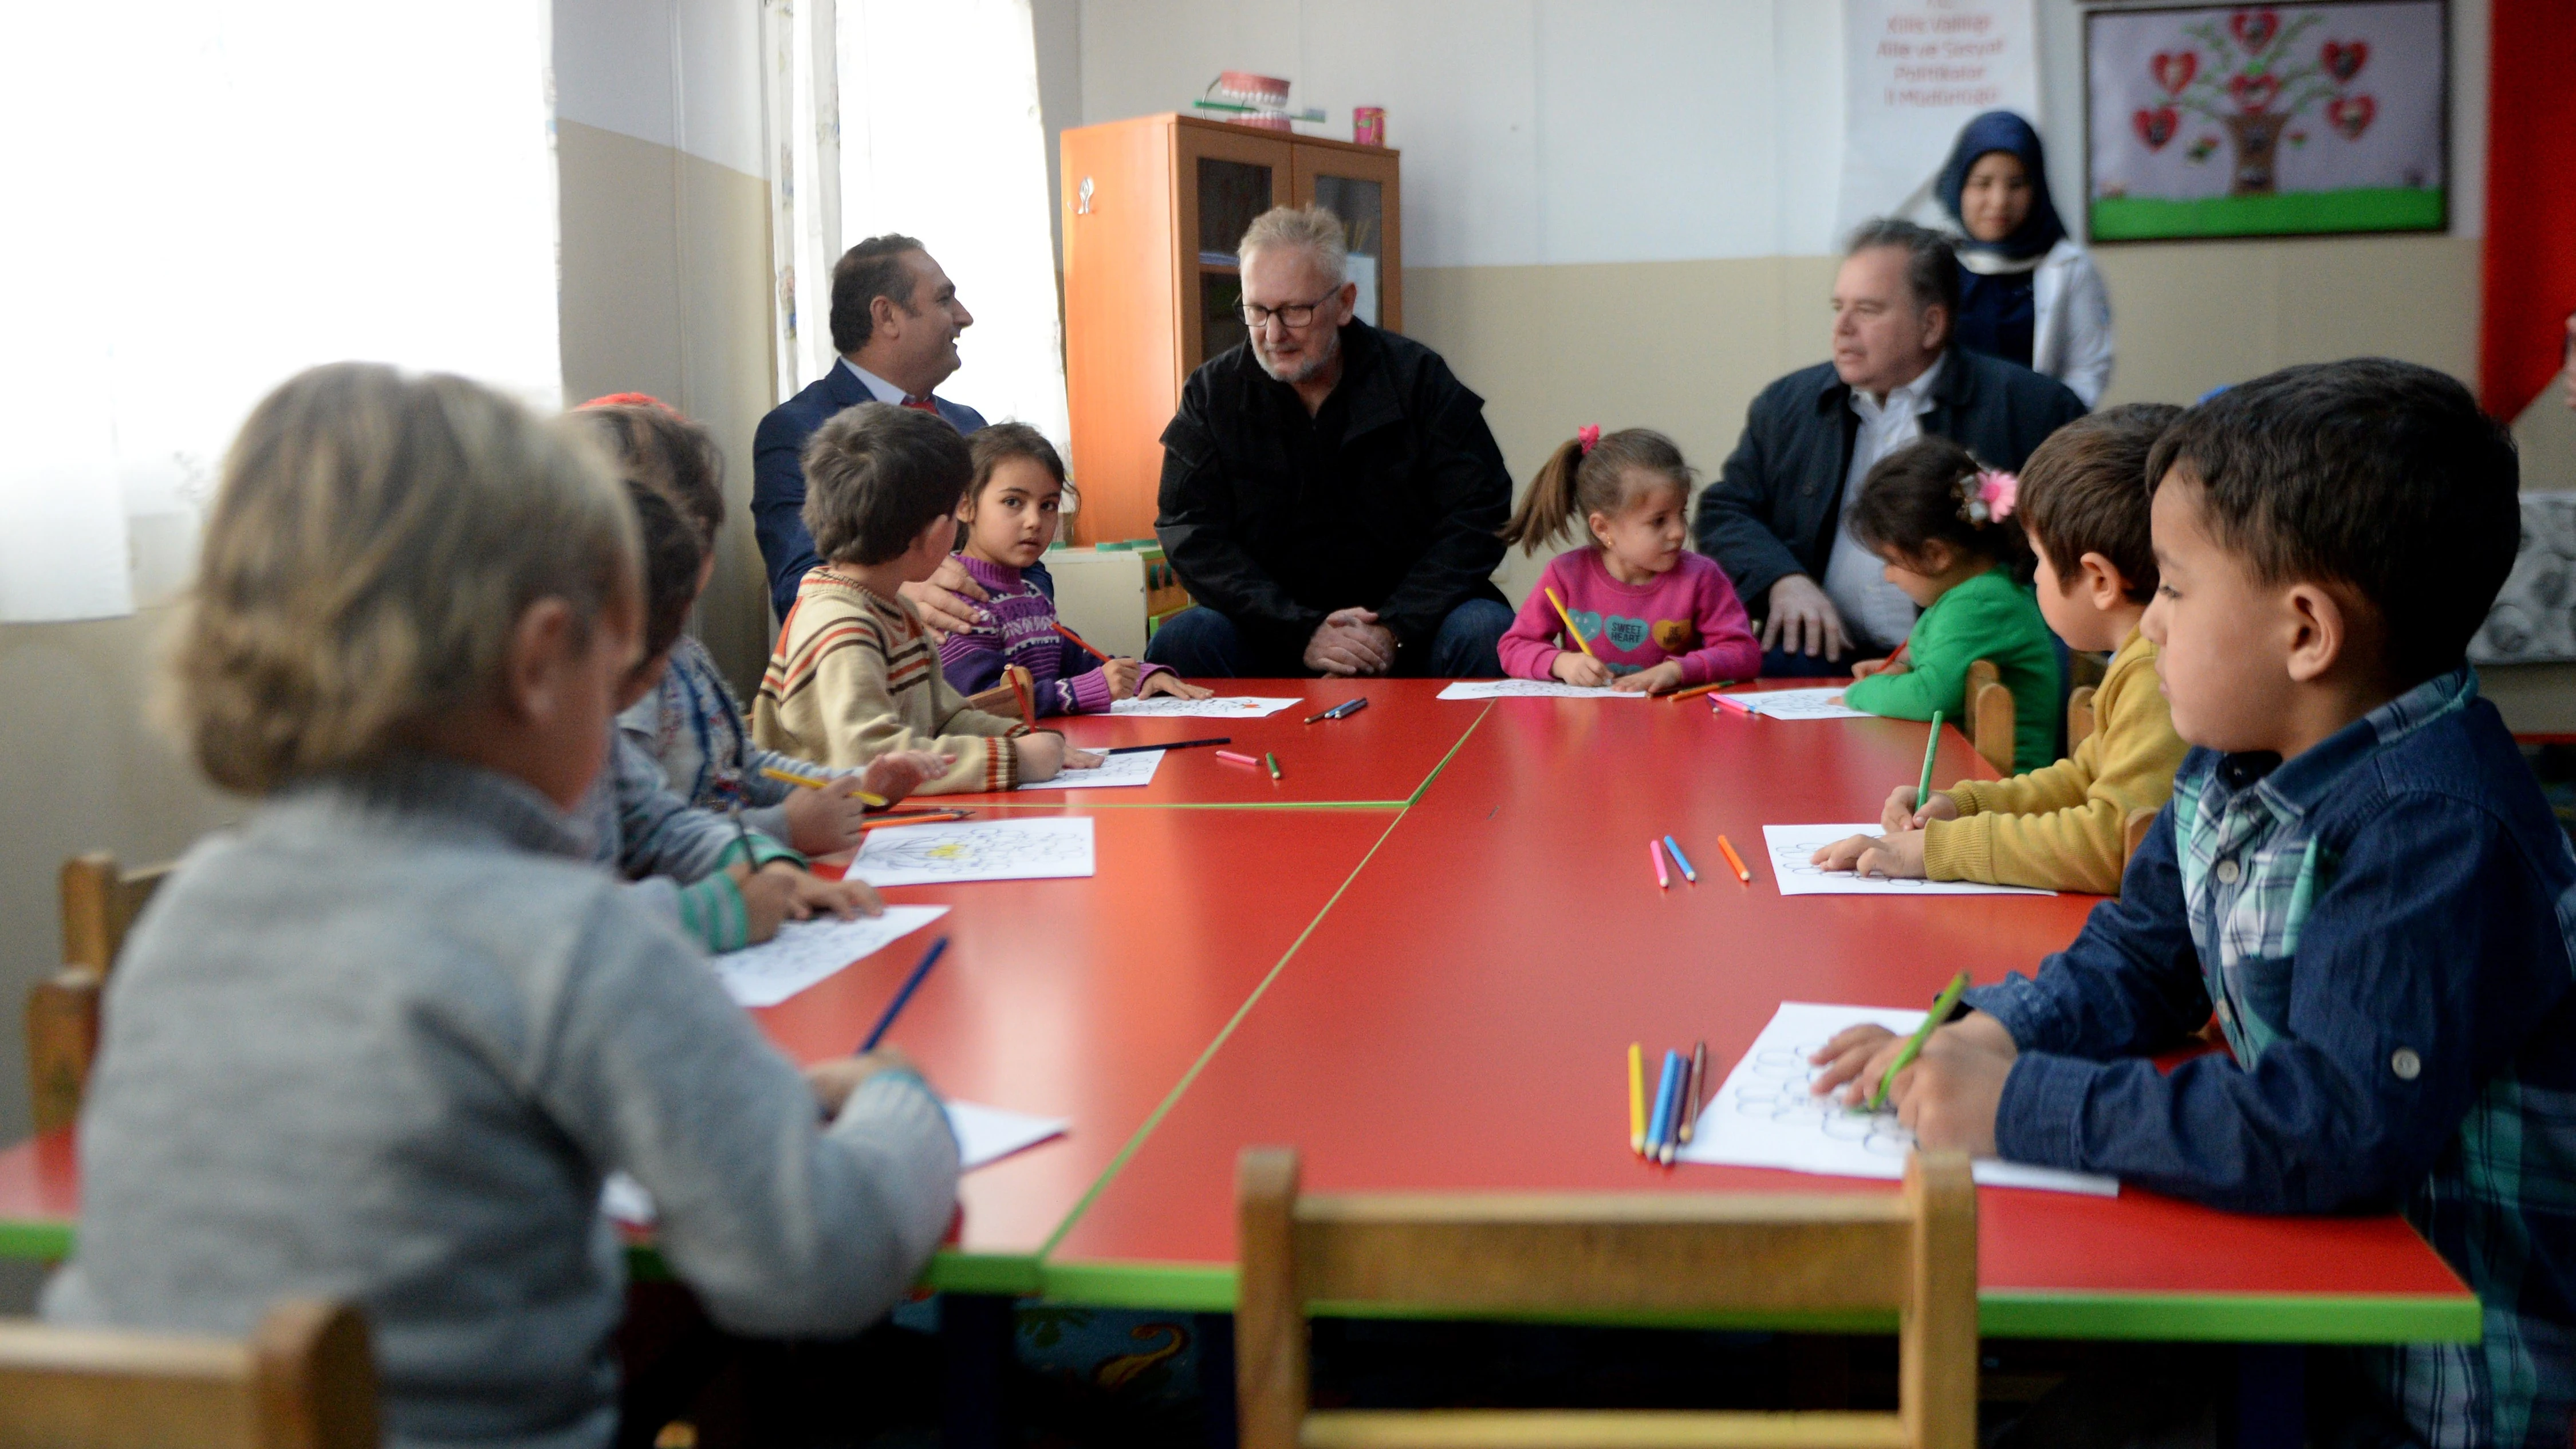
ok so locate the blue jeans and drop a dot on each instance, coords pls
(1200, 643)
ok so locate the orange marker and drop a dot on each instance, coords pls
(1727, 848)
(1079, 642)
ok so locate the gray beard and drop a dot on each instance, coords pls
(1305, 372)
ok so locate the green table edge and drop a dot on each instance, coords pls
(2001, 1312)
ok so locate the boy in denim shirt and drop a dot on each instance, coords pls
(2358, 875)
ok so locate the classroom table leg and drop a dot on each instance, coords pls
(2271, 1396)
(1216, 1378)
(976, 1337)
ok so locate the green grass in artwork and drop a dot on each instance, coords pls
(2391, 208)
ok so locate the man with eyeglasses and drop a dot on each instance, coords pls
(1331, 496)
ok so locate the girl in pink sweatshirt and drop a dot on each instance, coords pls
(1657, 618)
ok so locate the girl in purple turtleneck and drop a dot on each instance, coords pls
(1008, 519)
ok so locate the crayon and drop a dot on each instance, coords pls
(1272, 761)
(1078, 642)
(1923, 792)
(1727, 849)
(1174, 745)
(1232, 758)
(1579, 640)
(1664, 1089)
(894, 1008)
(1698, 1088)
(1655, 852)
(1636, 1098)
(817, 782)
(1681, 860)
(1932, 1021)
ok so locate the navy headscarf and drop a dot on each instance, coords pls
(2006, 132)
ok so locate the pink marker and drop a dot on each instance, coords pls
(1231, 758)
(1655, 853)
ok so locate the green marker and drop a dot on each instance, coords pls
(1932, 1020)
(1923, 792)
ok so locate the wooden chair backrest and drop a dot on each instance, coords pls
(2079, 716)
(2133, 832)
(1001, 699)
(304, 1379)
(100, 901)
(1914, 1252)
(1990, 715)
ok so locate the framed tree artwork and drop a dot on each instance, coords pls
(2270, 120)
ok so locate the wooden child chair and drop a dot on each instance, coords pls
(2079, 716)
(100, 902)
(1002, 699)
(1914, 1252)
(304, 1379)
(1990, 715)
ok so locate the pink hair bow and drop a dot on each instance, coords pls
(1589, 435)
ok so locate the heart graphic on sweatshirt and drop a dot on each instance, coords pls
(1586, 622)
(2343, 59)
(2175, 68)
(1627, 633)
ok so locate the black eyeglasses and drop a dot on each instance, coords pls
(1293, 316)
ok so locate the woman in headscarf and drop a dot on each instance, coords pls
(2027, 292)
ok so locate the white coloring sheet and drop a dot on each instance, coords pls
(1765, 1115)
(1054, 848)
(1825, 703)
(1132, 769)
(985, 1135)
(1792, 845)
(1533, 689)
(804, 952)
(1223, 706)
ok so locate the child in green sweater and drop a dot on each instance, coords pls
(1942, 522)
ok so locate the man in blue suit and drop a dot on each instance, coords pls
(895, 321)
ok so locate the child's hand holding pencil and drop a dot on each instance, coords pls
(1947, 1095)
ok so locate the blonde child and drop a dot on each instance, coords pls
(1009, 517)
(384, 1041)
(855, 675)
(689, 722)
(2083, 503)
(1942, 525)
(1657, 617)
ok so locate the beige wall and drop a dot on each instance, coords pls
(666, 290)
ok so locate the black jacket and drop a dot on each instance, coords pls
(1773, 508)
(1392, 497)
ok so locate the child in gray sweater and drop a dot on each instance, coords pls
(383, 1042)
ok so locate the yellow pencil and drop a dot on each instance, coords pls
(1636, 1097)
(1580, 642)
(817, 782)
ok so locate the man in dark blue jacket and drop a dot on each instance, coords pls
(895, 322)
(1772, 518)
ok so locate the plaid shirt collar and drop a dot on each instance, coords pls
(2287, 790)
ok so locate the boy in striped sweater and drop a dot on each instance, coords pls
(854, 674)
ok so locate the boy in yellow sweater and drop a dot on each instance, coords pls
(2084, 499)
(855, 675)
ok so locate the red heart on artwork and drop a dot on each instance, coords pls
(2156, 127)
(2253, 92)
(2175, 68)
(2351, 114)
(2343, 60)
(2254, 28)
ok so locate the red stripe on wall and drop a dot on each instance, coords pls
(2530, 258)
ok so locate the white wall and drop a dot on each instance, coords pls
(1575, 131)
(678, 73)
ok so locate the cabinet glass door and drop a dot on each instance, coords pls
(1361, 190)
(1229, 175)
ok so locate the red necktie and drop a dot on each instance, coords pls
(921, 405)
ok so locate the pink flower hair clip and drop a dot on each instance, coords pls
(1589, 435)
(1988, 497)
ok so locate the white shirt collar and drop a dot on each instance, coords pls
(886, 392)
(1914, 397)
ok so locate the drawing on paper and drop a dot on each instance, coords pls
(1532, 689)
(1793, 849)
(1825, 703)
(1777, 1085)
(976, 850)
(1116, 770)
(1223, 706)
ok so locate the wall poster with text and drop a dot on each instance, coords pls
(2270, 120)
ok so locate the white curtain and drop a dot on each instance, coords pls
(938, 137)
(211, 198)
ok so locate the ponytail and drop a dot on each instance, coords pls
(1546, 511)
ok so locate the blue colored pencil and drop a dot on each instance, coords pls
(911, 983)
(1681, 860)
(1665, 1090)
(1681, 1106)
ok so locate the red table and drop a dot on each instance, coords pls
(1461, 1019)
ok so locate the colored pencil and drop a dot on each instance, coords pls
(1232, 758)
(913, 817)
(1699, 689)
(1655, 852)
(1727, 849)
(1580, 642)
(894, 1008)
(1174, 745)
(1681, 860)
(1272, 761)
(1698, 1088)
(1932, 1021)
(817, 782)
(1667, 1134)
(1923, 792)
(1665, 1086)
(1079, 642)
(1344, 710)
(1730, 702)
(1636, 1098)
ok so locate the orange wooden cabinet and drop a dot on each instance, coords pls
(1153, 208)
